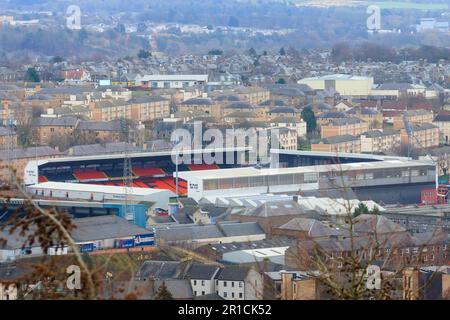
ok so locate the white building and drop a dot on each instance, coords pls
(345, 84)
(202, 279)
(239, 283)
(78, 191)
(171, 81)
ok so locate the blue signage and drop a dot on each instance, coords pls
(144, 240)
(127, 243)
(87, 247)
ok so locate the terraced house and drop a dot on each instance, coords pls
(203, 105)
(139, 109)
(344, 126)
(338, 144)
(423, 136)
(413, 116)
(379, 141)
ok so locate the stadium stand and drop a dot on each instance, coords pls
(89, 175)
(198, 167)
(148, 172)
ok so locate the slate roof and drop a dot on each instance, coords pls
(160, 270)
(285, 120)
(239, 105)
(240, 229)
(233, 273)
(345, 121)
(332, 115)
(4, 131)
(201, 271)
(188, 232)
(380, 133)
(379, 224)
(31, 152)
(422, 126)
(339, 139)
(313, 227)
(100, 126)
(442, 117)
(56, 122)
(95, 149)
(198, 101)
(284, 109)
(192, 232)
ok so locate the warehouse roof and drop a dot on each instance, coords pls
(253, 172)
(105, 227)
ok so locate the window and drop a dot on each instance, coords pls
(195, 282)
(310, 177)
(195, 292)
(240, 284)
(232, 284)
(240, 295)
(224, 283)
(203, 283)
(203, 293)
(232, 294)
(224, 294)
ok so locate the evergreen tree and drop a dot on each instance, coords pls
(163, 293)
(310, 119)
(32, 75)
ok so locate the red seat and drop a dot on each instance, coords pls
(148, 172)
(89, 175)
(42, 179)
(198, 167)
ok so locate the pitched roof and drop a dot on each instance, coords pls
(279, 208)
(339, 139)
(345, 121)
(374, 223)
(442, 117)
(240, 229)
(31, 152)
(56, 122)
(313, 227)
(233, 273)
(198, 101)
(160, 270)
(100, 126)
(380, 133)
(201, 271)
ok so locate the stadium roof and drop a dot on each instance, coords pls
(137, 155)
(96, 188)
(253, 172)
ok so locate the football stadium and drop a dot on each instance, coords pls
(385, 179)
